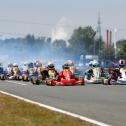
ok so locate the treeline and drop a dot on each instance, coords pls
(84, 41)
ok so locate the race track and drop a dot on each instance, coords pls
(104, 103)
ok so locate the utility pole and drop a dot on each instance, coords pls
(115, 46)
(99, 26)
(99, 32)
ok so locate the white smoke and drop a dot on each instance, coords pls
(61, 32)
(4, 59)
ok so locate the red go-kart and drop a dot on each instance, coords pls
(66, 78)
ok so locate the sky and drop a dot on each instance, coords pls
(49, 17)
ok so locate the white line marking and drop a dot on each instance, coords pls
(16, 82)
(58, 110)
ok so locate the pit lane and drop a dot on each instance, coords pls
(105, 103)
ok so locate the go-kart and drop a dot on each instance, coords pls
(94, 76)
(65, 78)
(33, 76)
(26, 71)
(15, 74)
(114, 77)
(2, 74)
(38, 77)
(25, 75)
(122, 80)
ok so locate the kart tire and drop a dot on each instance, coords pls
(17, 77)
(44, 82)
(51, 84)
(105, 82)
(83, 84)
(33, 80)
(102, 80)
(2, 77)
(22, 78)
(25, 78)
(37, 82)
(110, 82)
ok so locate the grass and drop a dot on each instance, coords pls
(14, 112)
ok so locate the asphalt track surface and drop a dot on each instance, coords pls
(104, 103)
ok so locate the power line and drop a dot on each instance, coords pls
(32, 23)
(8, 33)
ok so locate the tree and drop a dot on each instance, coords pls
(124, 48)
(59, 44)
(120, 43)
(82, 40)
(121, 48)
(30, 38)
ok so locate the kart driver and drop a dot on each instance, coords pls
(15, 69)
(38, 65)
(71, 66)
(52, 72)
(114, 74)
(66, 73)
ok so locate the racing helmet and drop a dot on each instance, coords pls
(10, 65)
(51, 66)
(66, 66)
(70, 62)
(38, 64)
(95, 63)
(30, 65)
(121, 62)
(25, 63)
(15, 65)
(90, 63)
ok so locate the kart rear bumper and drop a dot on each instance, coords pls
(65, 82)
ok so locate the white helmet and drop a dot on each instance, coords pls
(121, 62)
(70, 62)
(15, 65)
(94, 62)
(49, 63)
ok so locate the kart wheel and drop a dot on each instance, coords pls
(44, 82)
(37, 82)
(33, 80)
(17, 77)
(27, 79)
(105, 82)
(22, 78)
(83, 84)
(102, 80)
(2, 77)
(111, 82)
